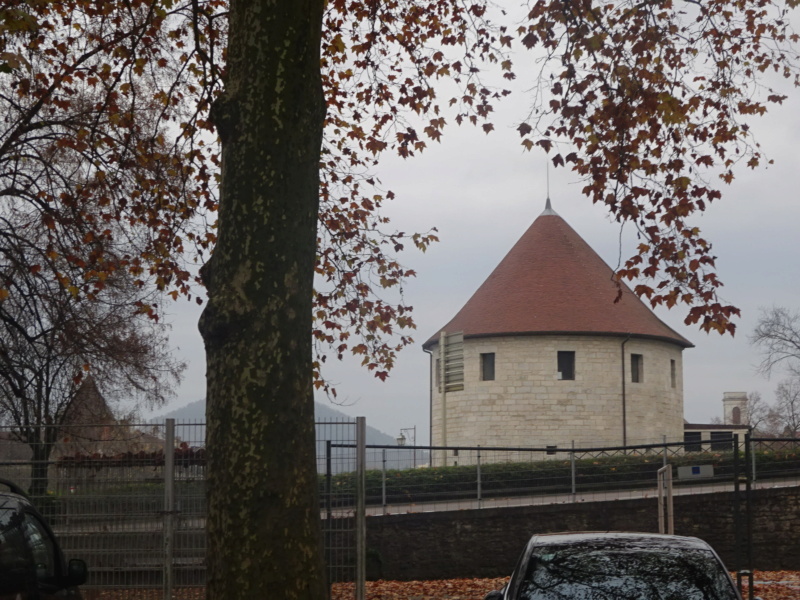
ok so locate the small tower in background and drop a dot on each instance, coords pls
(734, 406)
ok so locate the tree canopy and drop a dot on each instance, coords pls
(107, 135)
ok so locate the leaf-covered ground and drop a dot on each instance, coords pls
(770, 585)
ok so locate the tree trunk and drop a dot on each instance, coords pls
(263, 513)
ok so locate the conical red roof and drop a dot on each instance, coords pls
(553, 282)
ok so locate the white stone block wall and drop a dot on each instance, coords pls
(527, 405)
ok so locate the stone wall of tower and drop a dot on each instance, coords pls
(527, 405)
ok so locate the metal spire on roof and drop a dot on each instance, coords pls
(548, 209)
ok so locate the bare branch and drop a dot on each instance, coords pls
(777, 335)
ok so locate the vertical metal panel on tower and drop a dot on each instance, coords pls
(453, 361)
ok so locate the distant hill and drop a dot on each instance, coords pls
(331, 425)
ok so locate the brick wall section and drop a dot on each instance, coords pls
(487, 542)
(527, 405)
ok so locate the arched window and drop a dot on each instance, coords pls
(736, 415)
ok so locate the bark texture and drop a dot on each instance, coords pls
(263, 525)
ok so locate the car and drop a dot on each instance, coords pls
(32, 565)
(618, 566)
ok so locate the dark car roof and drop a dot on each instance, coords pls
(626, 540)
(14, 495)
(12, 500)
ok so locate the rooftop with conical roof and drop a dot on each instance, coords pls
(552, 282)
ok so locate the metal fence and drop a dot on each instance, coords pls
(340, 450)
(477, 477)
(136, 513)
(117, 500)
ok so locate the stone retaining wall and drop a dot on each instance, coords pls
(487, 542)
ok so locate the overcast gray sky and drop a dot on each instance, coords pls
(482, 192)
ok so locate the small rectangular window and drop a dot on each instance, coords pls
(637, 368)
(691, 441)
(721, 441)
(673, 377)
(438, 374)
(566, 364)
(487, 366)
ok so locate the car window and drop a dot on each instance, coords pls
(12, 540)
(41, 545)
(15, 564)
(596, 573)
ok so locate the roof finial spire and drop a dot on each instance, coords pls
(548, 209)
(547, 163)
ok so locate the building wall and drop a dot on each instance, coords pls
(527, 405)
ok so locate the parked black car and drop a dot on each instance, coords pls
(32, 566)
(618, 566)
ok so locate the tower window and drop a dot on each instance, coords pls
(487, 366)
(673, 373)
(566, 364)
(637, 368)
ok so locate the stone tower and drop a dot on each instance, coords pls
(734, 407)
(542, 355)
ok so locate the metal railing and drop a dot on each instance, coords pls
(476, 477)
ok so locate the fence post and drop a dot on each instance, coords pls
(752, 460)
(737, 526)
(479, 477)
(383, 480)
(361, 520)
(665, 451)
(749, 512)
(169, 505)
(328, 482)
(572, 470)
(664, 488)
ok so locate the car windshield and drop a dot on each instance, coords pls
(595, 571)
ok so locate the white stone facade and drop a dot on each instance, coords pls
(526, 405)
